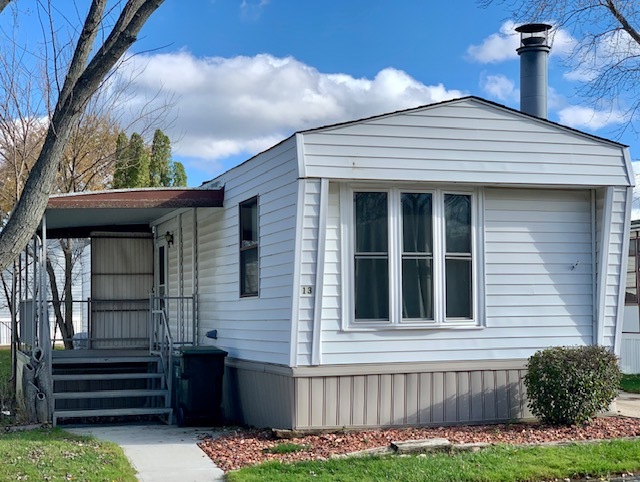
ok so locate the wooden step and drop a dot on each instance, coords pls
(106, 376)
(105, 359)
(111, 394)
(111, 412)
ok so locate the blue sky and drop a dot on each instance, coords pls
(244, 74)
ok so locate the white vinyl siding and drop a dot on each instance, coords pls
(534, 298)
(255, 328)
(464, 141)
(615, 257)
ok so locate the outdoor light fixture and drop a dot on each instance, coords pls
(168, 237)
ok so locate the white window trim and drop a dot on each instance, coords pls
(396, 322)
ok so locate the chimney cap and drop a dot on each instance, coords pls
(533, 28)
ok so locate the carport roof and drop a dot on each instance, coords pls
(124, 210)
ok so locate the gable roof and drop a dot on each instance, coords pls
(458, 100)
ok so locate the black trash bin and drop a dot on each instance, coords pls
(198, 385)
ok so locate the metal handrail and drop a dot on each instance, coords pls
(163, 345)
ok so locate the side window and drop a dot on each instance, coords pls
(249, 244)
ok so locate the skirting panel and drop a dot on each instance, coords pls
(265, 395)
(257, 394)
(630, 353)
(419, 398)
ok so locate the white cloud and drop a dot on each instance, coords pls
(252, 9)
(497, 47)
(228, 106)
(502, 45)
(580, 117)
(500, 87)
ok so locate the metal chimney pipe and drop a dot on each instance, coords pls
(534, 51)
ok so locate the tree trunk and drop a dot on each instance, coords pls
(66, 338)
(81, 82)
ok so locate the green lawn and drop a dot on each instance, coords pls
(630, 383)
(496, 464)
(6, 391)
(54, 455)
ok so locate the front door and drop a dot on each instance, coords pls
(121, 281)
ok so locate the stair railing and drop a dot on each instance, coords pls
(161, 343)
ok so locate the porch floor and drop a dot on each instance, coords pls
(100, 353)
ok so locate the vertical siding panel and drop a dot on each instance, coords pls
(477, 396)
(412, 398)
(359, 415)
(515, 394)
(331, 401)
(502, 395)
(386, 399)
(438, 397)
(489, 390)
(451, 397)
(371, 401)
(399, 406)
(317, 401)
(303, 402)
(425, 397)
(464, 397)
(345, 401)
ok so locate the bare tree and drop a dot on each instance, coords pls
(606, 53)
(83, 78)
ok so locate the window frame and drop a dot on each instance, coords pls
(395, 230)
(243, 249)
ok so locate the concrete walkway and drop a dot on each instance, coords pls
(167, 453)
(161, 453)
(628, 404)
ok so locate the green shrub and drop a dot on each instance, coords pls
(569, 385)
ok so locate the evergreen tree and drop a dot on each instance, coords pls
(160, 163)
(179, 175)
(120, 171)
(138, 162)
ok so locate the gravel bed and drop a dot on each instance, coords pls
(238, 447)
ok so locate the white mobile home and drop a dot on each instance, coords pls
(394, 270)
(400, 269)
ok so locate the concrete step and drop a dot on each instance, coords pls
(111, 394)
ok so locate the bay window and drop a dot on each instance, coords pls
(412, 257)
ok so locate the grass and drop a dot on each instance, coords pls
(6, 390)
(630, 383)
(286, 448)
(52, 455)
(495, 464)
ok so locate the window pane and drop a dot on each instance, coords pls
(457, 211)
(417, 288)
(249, 222)
(249, 272)
(372, 288)
(458, 272)
(371, 222)
(416, 223)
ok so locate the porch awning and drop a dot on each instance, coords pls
(76, 215)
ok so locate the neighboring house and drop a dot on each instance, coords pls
(80, 287)
(630, 342)
(395, 270)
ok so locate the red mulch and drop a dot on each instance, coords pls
(238, 447)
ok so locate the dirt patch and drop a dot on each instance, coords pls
(238, 447)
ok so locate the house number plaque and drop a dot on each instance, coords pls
(306, 290)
